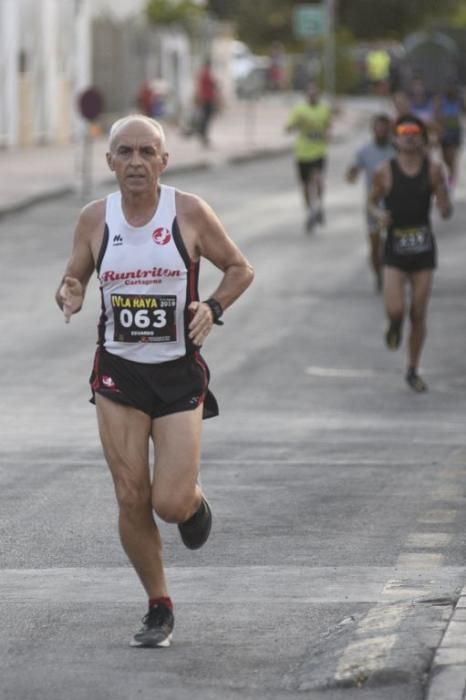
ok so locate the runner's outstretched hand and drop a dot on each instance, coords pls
(71, 295)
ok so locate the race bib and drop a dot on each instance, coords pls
(144, 319)
(412, 240)
(314, 135)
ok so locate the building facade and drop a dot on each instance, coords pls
(51, 50)
(45, 60)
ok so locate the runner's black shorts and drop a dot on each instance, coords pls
(156, 389)
(410, 263)
(306, 168)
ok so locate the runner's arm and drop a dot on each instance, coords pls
(352, 173)
(357, 166)
(440, 189)
(80, 266)
(377, 192)
(293, 122)
(214, 244)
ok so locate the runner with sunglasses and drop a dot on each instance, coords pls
(406, 186)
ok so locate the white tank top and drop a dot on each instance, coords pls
(147, 280)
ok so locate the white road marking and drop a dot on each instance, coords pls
(438, 515)
(448, 492)
(337, 462)
(400, 588)
(428, 539)
(420, 560)
(383, 619)
(345, 373)
(361, 658)
(453, 473)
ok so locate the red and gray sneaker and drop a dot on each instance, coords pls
(195, 531)
(157, 628)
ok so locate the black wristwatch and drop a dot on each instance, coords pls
(216, 309)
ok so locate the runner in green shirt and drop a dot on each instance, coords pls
(311, 120)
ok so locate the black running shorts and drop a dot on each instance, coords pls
(307, 167)
(410, 263)
(156, 389)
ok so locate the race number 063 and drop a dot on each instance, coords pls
(142, 319)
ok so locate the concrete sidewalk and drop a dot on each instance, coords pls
(245, 130)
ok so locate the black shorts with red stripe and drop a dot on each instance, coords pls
(156, 389)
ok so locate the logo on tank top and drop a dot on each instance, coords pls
(117, 240)
(161, 236)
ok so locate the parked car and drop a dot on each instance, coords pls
(249, 71)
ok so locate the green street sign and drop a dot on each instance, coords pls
(308, 21)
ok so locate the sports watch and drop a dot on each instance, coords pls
(216, 309)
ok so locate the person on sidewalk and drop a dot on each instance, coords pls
(149, 381)
(311, 120)
(449, 110)
(206, 100)
(378, 63)
(367, 159)
(421, 104)
(406, 185)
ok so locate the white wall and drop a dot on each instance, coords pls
(118, 8)
(37, 100)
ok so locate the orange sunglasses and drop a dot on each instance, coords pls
(408, 128)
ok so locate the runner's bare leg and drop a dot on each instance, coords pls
(421, 285)
(176, 494)
(125, 434)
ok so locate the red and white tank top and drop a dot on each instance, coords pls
(147, 281)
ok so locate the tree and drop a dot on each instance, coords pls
(459, 17)
(259, 22)
(173, 11)
(393, 18)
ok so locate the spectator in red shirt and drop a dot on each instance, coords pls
(206, 100)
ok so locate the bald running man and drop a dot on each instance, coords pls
(149, 381)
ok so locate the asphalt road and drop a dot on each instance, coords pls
(337, 550)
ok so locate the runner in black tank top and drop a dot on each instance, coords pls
(409, 243)
(406, 186)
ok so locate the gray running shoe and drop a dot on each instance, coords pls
(393, 335)
(311, 220)
(415, 382)
(157, 628)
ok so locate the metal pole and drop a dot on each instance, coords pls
(48, 106)
(9, 88)
(330, 63)
(87, 165)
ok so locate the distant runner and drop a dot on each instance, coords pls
(366, 160)
(449, 111)
(407, 184)
(311, 120)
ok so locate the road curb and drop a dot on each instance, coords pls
(447, 679)
(56, 193)
(32, 200)
(199, 166)
(259, 154)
